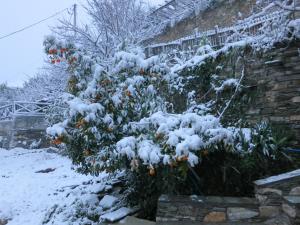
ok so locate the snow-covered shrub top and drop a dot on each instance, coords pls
(295, 25)
(227, 83)
(176, 136)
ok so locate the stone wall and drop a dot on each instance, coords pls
(277, 202)
(209, 209)
(275, 78)
(272, 80)
(280, 194)
(5, 133)
(23, 131)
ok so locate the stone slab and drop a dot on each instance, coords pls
(240, 213)
(130, 220)
(278, 178)
(292, 200)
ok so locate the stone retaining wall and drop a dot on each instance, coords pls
(280, 194)
(26, 131)
(277, 202)
(275, 77)
(5, 133)
(209, 209)
(272, 79)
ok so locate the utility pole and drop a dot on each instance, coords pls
(75, 19)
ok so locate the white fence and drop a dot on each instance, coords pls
(9, 109)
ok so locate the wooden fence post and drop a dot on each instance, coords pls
(217, 35)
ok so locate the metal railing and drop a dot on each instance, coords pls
(217, 37)
(9, 109)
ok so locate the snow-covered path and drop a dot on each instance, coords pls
(26, 196)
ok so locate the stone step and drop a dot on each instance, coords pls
(291, 207)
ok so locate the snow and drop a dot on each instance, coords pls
(149, 152)
(135, 59)
(108, 201)
(27, 197)
(117, 215)
(281, 177)
(78, 106)
(183, 135)
(227, 83)
(56, 130)
(126, 146)
(295, 24)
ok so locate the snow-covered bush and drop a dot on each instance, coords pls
(104, 102)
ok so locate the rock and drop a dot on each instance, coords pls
(130, 220)
(3, 222)
(164, 198)
(48, 170)
(290, 211)
(295, 118)
(118, 214)
(296, 99)
(235, 214)
(279, 220)
(108, 201)
(295, 191)
(269, 211)
(269, 190)
(261, 198)
(215, 217)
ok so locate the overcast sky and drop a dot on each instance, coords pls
(21, 55)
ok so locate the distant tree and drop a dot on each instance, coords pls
(8, 94)
(47, 85)
(113, 22)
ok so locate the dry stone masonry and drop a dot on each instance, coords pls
(280, 193)
(210, 209)
(275, 75)
(277, 202)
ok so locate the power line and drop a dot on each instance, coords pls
(32, 25)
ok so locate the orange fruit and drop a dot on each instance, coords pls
(152, 172)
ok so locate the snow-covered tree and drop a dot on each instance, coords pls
(8, 94)
(112, 22)
(48, 85)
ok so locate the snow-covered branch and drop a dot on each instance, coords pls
(290, 7)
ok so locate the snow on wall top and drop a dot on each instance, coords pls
(278, 178)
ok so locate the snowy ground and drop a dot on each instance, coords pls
(31, 198)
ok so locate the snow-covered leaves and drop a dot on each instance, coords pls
(113, 96)
(175, 136)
